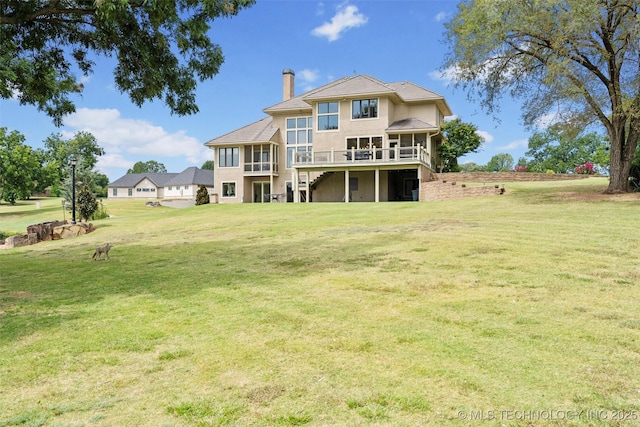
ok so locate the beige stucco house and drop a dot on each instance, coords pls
(354, 139)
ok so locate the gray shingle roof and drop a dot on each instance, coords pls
(130, 180)
(192, 176)
(260, 131)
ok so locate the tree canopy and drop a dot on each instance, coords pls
(162, 49)
(502, 162)
(19, 167)
(558, 151)
(579, 59)
(462, 138)
(150, 166)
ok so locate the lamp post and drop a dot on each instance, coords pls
(73, 190)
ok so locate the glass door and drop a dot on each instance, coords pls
(261, 192)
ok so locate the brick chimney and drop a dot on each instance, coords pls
(288, 77)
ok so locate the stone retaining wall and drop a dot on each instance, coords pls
(507, 176)
(450, 190)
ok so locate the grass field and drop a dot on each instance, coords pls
(521, 309)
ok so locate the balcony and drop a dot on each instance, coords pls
(364, 157)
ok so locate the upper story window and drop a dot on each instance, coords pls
(299, 130)
(228, 157)
(364, 109)
(299, 137)
(327, 116)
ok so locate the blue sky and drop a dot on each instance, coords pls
(392, 40)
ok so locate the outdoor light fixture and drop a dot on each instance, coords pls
(73, 190)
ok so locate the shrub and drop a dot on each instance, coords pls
(521, 168)
(86, 203)
(202, 196)
(586, 169)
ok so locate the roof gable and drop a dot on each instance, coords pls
(130, 180)
(351, 87)
(260, 131)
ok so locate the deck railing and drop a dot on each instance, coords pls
(364, 156)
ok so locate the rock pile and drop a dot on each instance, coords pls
(52, 230)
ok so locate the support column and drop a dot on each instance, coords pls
(308, 198)
(294, 185)
(376, 174)
(346, 186)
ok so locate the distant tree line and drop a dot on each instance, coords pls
(25, 171)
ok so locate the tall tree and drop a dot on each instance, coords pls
(162, 47)
(580, 57)
(502, 162)
(59, 152)
(561, 151)
(207, 165)
(150, 166)
(19, 167)
(462, 138)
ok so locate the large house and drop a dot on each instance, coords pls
(354, 139)
(183, 185)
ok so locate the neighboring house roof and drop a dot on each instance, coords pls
(410, 125)
(192, 176)
(260, 131)
(132, 179)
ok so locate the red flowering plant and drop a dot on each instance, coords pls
(521, 168)
(586, 169)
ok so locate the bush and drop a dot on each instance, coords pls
(202, 196)
(86, 203)
(101, 213)
(586, 169)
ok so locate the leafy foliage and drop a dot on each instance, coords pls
(502, 162)
(150, 166)
(561, 151)
(202, 196)
(462, 138)
(162, 49)
(19, 167)
(578, 57)
(86, 203)
(208, 165)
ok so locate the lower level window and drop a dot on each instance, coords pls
(228, 189)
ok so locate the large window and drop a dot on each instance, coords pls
(364, 108)
(228, 189)
(299, 137)
(257, 158)
(229, 157)
(327, 116)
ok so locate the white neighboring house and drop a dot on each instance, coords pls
(183, 185)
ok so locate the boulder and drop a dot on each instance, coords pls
(72, 230)
(20, 240)
(44, 231)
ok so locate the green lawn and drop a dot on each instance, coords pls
(513, 308)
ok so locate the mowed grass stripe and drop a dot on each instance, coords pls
(359, 314)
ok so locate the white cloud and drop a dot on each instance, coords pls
(139, 139)
(486, 136)
(441, 16)
(514, 145)
(446, 76)
(547, 120)
(346, 17)
(308, 76)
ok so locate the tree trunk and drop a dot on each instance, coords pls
(623, 149)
